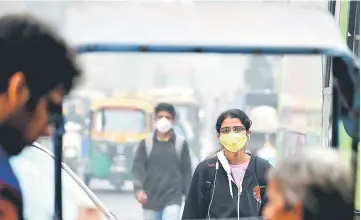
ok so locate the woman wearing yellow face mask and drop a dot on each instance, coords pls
(232, 183)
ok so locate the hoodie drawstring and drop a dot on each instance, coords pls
(230, 184)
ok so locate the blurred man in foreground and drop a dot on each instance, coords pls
(37, 70)
(313, 185)
(162, 169)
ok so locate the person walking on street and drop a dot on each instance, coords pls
(162, 168)
(37, 70)
(232, 183)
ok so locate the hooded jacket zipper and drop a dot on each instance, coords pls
(239, 195)
(226, 167)
(238, 207)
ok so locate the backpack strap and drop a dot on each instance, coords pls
(261, 169)
(179, 142)
(210, 175)
(148, 144)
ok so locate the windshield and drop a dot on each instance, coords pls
(35, 170)
(220, 81)
(122, 120)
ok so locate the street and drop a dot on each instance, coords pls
(122, 204)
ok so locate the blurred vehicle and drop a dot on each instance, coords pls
(76, 108)
(81, 101)
(34, 168)
(188, 110)
(300, 112)
(72, 145)
(117, 125)
(264, 123)
(256, 98)
(291, 139)
(347, 14)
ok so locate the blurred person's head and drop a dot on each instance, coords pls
(314, 184)
(37, 69)
(233, 129)
(164, 117)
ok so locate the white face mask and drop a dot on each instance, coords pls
(163, 125)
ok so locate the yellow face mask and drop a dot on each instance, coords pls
(233, 142)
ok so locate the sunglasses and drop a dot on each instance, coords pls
(235, 129)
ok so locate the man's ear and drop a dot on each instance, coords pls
(218, 136)
(18, 92)
(298, 209)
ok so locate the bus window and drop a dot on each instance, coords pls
(353, 29)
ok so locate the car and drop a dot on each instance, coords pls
(34, 167)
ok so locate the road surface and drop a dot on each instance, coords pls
(122, 204)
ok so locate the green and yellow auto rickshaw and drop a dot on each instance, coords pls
(117, 125)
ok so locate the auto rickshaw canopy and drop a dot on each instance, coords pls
(123, 102)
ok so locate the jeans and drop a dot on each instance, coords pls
(170, 212)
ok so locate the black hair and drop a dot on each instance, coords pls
(233, 113)
(165, 107)
(29, 46)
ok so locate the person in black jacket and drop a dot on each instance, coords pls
(162, 168)
(232, 183)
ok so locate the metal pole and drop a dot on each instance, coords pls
(58, 149)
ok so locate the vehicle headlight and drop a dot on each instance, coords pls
(119, 160)
(70, 152)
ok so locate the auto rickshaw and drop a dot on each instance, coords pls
(292, 138)
(117, 125)
(299, 119)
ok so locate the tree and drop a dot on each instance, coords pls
(259, 74)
